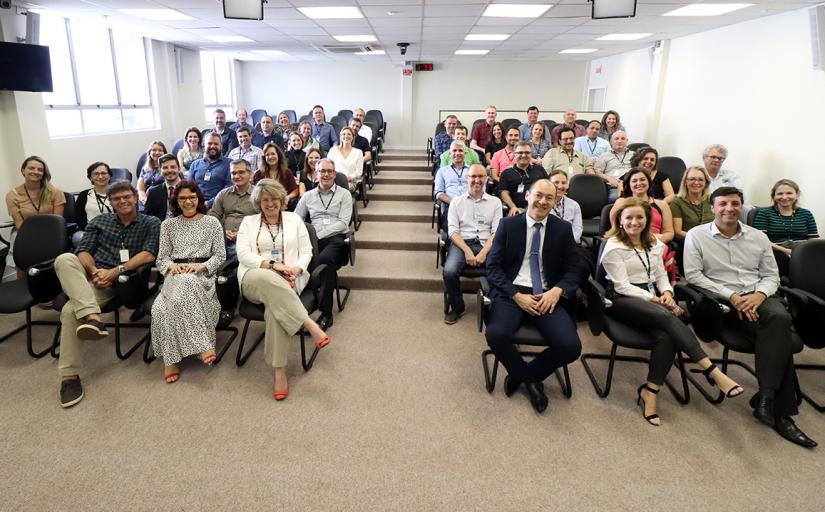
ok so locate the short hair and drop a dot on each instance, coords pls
(524, 143)
(491, 106)
(511, 129)
(218, 111)
(241, 161)
(95, 165)
(640, 153)
(121, 186)
(192, 129)
(242, 129)
(461, 127)
(457, 144)
(451, 116)
(211, 135)
(726, 191)
(717, 147)
(269, 116)
(270, 187)
(616, 230)
(626, 192)
(614, 134)
(683, 191)
(788, 183)
(558, 171)
(356, 120)
(479, 166)
(317, 106)
(324, 160)
(532, 107)
(564, 130)
(191, 186)
(595, 121)
(166, 158)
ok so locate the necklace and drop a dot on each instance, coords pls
(190, 216)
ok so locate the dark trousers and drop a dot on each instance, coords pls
(557, 329)
(332, 252)
(453, 265)
(771, 336)
(669, 332)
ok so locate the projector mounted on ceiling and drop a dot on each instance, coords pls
(243, 9)
(603, 9)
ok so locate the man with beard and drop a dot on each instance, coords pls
(157, 197)
(211, 172)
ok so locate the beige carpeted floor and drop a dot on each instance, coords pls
(394, 416)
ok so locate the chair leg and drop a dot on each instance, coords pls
(342, 303)
(723, 363)
(241, 357)
(489, 377)
(29, 340)
(229, 341)
(807, 397)
(307, 365)
(118, 345)
(566, 388)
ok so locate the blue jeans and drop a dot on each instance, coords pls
(453, 265)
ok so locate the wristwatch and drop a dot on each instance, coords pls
(121, 269)
(271, 264)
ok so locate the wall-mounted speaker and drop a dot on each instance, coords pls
(817, 19)
(32, 28)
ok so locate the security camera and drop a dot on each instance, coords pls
(403, 47)
(5, 4)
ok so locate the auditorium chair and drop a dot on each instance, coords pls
(69, 214)
(346, 114)
(292, 116)
(338, 122)
(121, 174)
(590, 192)
(443, 243)
(806, 297)
(620, 335)
(635, 146)
(310, 298)
(257, 115)
(142, 161)
(674, 168)
(376, 143)
(381, 122)
(177, 146)
(307, 118)
(510, 123)
(40, 240)
(582, 122)
(527, 336)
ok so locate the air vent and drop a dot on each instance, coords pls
(343, 48)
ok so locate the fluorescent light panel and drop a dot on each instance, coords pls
(579, 50)
(472, 52)
(355, 39)
(157, 14)
(331, 13)
(516, 10)
(374, 52)
(706, 9)
(623, 37)
(230, 39)
(486, 37)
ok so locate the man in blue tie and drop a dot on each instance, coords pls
(533, 269)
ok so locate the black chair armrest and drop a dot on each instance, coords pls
(132, 287)
(226, 285)
(42, 281)
(483, 301)
(317, 283)
(706, 311)
(802, 297)
(349, 239)
(597, 303)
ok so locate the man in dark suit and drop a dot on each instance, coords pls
(157, 197)
(533, 268)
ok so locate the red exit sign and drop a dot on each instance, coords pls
(424, 67)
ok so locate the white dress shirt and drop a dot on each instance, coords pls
(625, 267)
(524, 278)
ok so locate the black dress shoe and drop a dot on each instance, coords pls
(763, 410)
(537, 397)
(325, 322)
(786, 428)
(510, 385)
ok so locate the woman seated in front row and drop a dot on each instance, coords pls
(785, 223)
(274, 251)
(643, 298)
(186, 310)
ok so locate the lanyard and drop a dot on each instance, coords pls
(40, 203)
(646, 267)
(593, 147)
(559, 212)
(101, 203)
(321, 198)
(570, 157)
(458, 174)
(273, 237)
(624, 155)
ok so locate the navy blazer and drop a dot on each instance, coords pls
(157, 201)
(560, 258)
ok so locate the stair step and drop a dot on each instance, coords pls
(401, 236)
(405, 165)
(403, 178)
(401, 193)
(393, 270)
(397, 155)
(396, 211)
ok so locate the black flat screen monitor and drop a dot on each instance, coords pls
(25, 67)
(243, 9)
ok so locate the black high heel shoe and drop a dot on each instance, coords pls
(640, 401)
(735, 390)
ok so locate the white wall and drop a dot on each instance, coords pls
(627, 80)
(23, 121)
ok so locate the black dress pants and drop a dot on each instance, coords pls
(332, 252)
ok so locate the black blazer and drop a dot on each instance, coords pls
(560, 258)
(157, 201)
(80, 209)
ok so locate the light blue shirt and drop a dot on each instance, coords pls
(590, 148)
(451, 180)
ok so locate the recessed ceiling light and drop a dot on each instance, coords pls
(706, 9)
(579, 50)
(486, 37)
(516, 10)
(230, 39)
(392, 13)
(355, 39)
(330, 13)
(623, 37)
(373, 52)
(472, 52)
(270, 53)
(157, 14)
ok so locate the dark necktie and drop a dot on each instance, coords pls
(535, 272)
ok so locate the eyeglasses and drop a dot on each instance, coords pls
(716, 158)
(326, 171)
(102, 173)
(116, 199)
(186, 199)
(524, 152)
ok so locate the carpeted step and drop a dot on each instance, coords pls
(393, 270)
(405, 165)
(403, 178)
(393, 192)
(401, 236)
(396, 211)
(392, 155)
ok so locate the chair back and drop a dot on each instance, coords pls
(121, 174)
(338, 122)
(140, 163)
(380, 116)
(257, 115)
(590, 192)
(604, 220)
(69, 210)
(346, 114)
(4, 252)
(636, 146)
(374, 127)
(510, 123)
(807, 257)
(582, 122)
(674, 168)
(341, 180)
(549, 124)
(752, 216)
(41, 237)
(305, 118)
(177, 147)
(292, 116)
(439, 128)
(313, 239)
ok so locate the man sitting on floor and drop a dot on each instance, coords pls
(472, 221)
(532, 267)
(113, 243)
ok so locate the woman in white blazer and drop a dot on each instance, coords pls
(274, 252)
(348, 160)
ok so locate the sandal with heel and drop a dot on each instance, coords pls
(640, 401)
(735, 390)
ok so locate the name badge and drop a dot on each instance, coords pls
(651, 287)
(327, 219)
(520, 189)
(570, 170)
(276, 255)
(206, 177)
(124, 255)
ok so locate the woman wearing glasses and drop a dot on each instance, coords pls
(186, 310)
(93, 201)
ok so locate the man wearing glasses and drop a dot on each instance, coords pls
(330, 209)
(713, 156)
(564, 158)
(516, 180)
(113, 243)
(234, 203)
